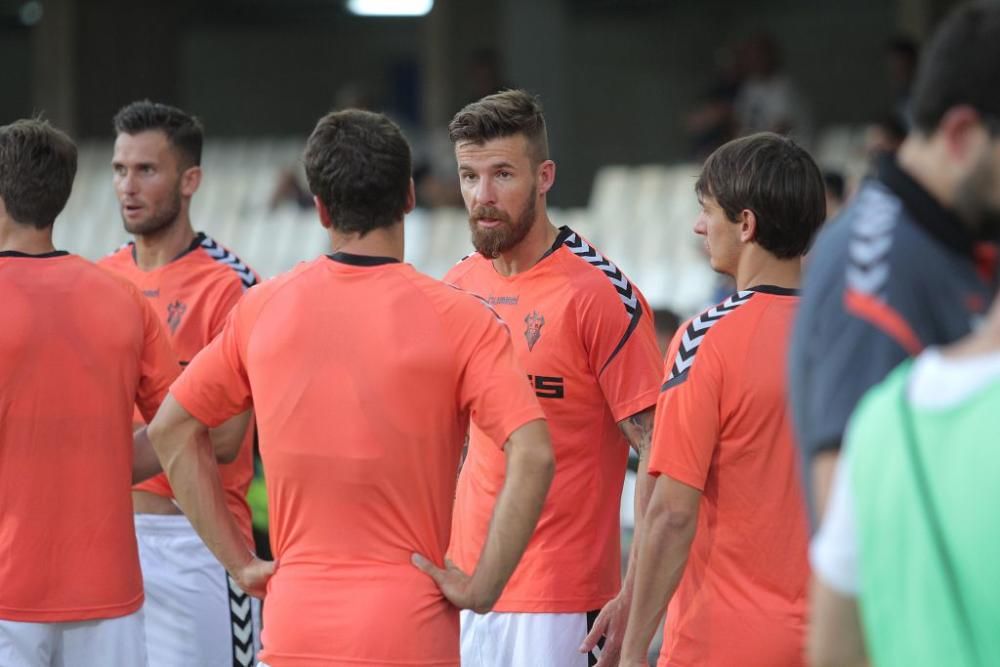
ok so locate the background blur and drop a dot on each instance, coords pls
(636, 92)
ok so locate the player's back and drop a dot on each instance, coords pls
(744, 587)
(73, 354)
(360, 381)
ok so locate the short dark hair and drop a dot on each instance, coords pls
(37, 167)
(358, 163)
(961, 65)
(183, 130)
(776, 179)
(503, 114)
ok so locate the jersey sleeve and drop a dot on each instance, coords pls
(493, 388)
(835, 358)
(688, 420)
(215, 385)
(618, 334)
(226, 301)
(158, 365)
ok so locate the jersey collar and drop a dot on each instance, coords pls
(361, 260)
(774, 289)
(44, 255)
(926, 211)
(194, 245)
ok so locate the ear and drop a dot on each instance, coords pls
(324, 214)
(546, 176)
(411, 198)
(748, 226)
(190, 180)
(962, 131)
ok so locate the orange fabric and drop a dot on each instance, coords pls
(78, 349)
(363, 379)
(567, 321)
(725, 429)
(192, 295)
(882, 316)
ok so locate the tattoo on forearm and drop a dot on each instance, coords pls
(638, 430)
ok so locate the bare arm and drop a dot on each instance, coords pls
(611, 622)
(226, 440)
(182, 445)
(835, 637)
(824, 464)
(668, 529)
(530, 467)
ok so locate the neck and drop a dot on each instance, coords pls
(24, 238)
(161, 247)
(985, 340)
(381, 242)
(529, 251)
(759, 267)
(926, 162)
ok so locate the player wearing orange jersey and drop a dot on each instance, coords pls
(585, 336)
(79, 348)
(724, 537)
(363, 375)
(194, 614)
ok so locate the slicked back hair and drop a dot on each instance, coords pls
(504, 114)
(183, 131)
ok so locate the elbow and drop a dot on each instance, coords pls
(661, 518)
(226, 452)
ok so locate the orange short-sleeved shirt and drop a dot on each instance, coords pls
(192, 295)
(585, 336)
(723, 426)
(363, 374)
(78, 349)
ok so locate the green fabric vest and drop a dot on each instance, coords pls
(922, 604)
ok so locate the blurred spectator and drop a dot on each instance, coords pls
(901, 62)
(666, 323)
(884, 137)
(768, 101)
(833, 183)
(713, 122)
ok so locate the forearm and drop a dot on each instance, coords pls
(638, 430)
(518, 506)
(662, 554)
(189, 463)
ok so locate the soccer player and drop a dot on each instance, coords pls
(908, 535)
(195, 614)
(724, 537)
(587, 341)
(363, 375)
(904, 265)
(79, 349)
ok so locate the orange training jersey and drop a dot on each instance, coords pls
(193, 294)
(363, 374)
(585, 336)
(723, 426)
(78, 349)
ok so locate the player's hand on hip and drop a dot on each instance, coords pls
(253, 576)
(609, 624)
(454, 584)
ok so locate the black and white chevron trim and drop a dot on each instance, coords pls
(575, 243)
(871, 241)
(585, 251)
(241, 620)
(695, 333)
(223, 256)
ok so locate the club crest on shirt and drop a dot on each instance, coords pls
(533, 323)
(175, 311)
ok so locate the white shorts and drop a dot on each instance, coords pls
(196, 616)
(108, 642)
(526, 640)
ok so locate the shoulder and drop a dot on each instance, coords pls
(463, 268)
(228, 266)
(708, 330)
(594, 278)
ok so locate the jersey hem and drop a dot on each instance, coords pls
(518, 420)
(297, 660)
(557, 606)
(72, 615)
(678, 473)
(634, 406)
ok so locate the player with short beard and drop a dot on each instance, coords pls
(585, 336)
(195, 614)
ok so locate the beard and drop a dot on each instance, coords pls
(973, 202)
(158, 220)
(490, 243)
